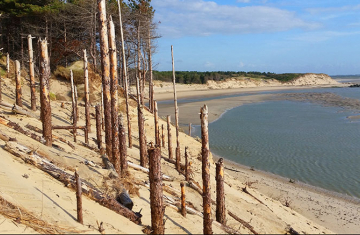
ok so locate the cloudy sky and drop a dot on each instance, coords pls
(320, 36)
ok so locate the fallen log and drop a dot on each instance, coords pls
(146, 170)
(4, 137)
(182, 166)
(20, 110)
(31, 157)
(246, 224)
(247, 192)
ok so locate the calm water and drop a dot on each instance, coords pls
(307, 142)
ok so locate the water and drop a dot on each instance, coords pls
(306, 142)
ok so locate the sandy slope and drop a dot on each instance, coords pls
(53, 202)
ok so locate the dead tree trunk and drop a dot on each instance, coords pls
(151, 85)
(87, 94)
(98, 126)
(178, 158)
(44, 92)
(183, 203)
(142, 137)
(125, 78)
(123, 147)
(114, 97)
(162, 136)
(18, 83)
(156, 191)
(74, 103)
(220, 194)
(78, 198)
(32, 74)
(206, 170)
(187, 177)
(170, 152)
(156, 119)
(105, 67)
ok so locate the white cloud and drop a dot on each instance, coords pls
(350, 8)
(199, 18)
(323, 36)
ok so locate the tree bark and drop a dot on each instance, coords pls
(142, 137)
(87, 94)
(105, 67)
(187, 178)
(74, 104)
(162, 136)
(151, 85)
(183, 203)
(114, 98)
(156, 192)
(178, 157)
(206, 170)
(170, 152)
(156, 120)
(44, 92)
(78, 198)
(18, 83)
(123, 147)
(32, 74)
(220, 194)
(98, 126)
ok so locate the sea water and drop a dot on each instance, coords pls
(306, 142)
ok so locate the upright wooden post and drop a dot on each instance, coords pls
(105, 67)
(162, 136)
(74, 104)
(87, 93)
(114, 97)
(7, 64)
(169, 138)
(98, 126)
(183, 203)
(220, 194)
(18, 83)
(32, 73)
(156, 120)
(123, 147)
(44, 92)
(187, 178)
(189, 129)
(126, 89)
(142, 137)
(156, 191)
(206, 170)
(78, 198)
(178, 158)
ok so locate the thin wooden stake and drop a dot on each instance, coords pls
(162, 136)
(44, 92)
(156, 191)
(87, 94)
(156, 120)
(123, 147)
(220, 194)
(98, 126)
(32, 73)
(183, 203)
(74, 106)
(18, 83)
(206, 170)
(114, 97)
(105, 67)
(78, 199)
(170, 152)
(187, 177)
(178, 157)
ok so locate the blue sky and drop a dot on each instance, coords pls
(295, 36)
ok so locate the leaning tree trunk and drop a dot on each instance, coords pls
(44, 92)
(105, 67)
(32, 74)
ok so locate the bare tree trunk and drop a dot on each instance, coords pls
(151, 85)
(114, 98)
(206, 170)
(78, 198)
(98, 126)
(74, 103)
(44, 92)
(170, 152)
(125, 78)
(156, 119)
(183, 203)
(142, 137)
(32, 74)
(105, 67)
(87, 93)
(156, 191)
(162, 136)
(178, 158)
(18, 83)
(123, 147)
(187, 178)
(220, 194)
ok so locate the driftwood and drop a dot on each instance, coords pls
(31, 157)
(146, 170)
(4, 137)
(246, 224)
(247, 192)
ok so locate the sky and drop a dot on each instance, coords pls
(281, 36)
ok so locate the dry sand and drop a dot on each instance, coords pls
(35, 191)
